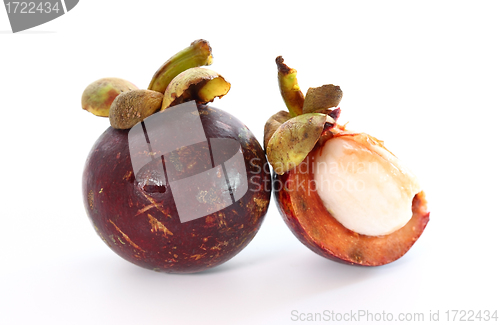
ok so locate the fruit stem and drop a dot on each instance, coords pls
(289, 88)
(197, 54)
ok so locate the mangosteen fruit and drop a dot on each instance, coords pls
(174, 184)
(342, 193)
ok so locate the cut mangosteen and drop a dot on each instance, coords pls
(342, 193)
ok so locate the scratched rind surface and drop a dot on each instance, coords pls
(138, 220)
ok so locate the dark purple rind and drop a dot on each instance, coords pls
(138, 220)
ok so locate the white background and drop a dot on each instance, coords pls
(423, 76)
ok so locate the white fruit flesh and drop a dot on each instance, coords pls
(363, 185)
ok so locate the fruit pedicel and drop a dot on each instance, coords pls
(342, 193)
(174, 185)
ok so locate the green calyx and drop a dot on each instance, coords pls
(178, 80)
(199, 84)
(272, 124)
(294, 139)
(290, 136)
(322, 98)
(99, 95)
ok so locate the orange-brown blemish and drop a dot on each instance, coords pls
(127, 239)
(156, 205)
(157, 226)
(111, 97)
(128, 175)
(216, 247)
(197, 256)
(90, 199)
(146, 208)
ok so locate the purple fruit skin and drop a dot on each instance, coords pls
(139, 220)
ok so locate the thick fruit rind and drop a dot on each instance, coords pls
(306, 216)
(139, 221)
